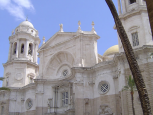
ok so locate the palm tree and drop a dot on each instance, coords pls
(137, 76)
(150, 12)
(3, 88)
(131, 86)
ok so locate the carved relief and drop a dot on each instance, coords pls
(86, 100)
(105, 110)
(18, 76)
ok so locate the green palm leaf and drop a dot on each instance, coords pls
(4, 88)
(2, 78)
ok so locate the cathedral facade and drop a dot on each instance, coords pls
(72, 78)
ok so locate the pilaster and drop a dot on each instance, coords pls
(26, 48)
(119, 7)
(17, 49)
(10, 51)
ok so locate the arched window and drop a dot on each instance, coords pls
(22, 48)
(132, 1)
(30, 49)
(14, 48)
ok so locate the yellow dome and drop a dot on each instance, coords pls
(111, 50)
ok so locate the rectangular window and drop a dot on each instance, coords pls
(64, 98)
(2, 110)
(135, 39)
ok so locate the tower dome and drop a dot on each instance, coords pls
(26, 23)
(112, 50)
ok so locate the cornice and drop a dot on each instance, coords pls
(29, 86)
(132, 13)
(122, 54)
(53, 81)
(26, 34)
(20, 61)
(104, 64)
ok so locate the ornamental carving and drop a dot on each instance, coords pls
(105, 110)
(18, 76)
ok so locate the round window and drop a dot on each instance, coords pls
(103, 87)
(65, 72)
(29, 104)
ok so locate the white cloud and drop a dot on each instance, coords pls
(15, 7)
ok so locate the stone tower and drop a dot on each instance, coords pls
(135, 20)
(21, 67)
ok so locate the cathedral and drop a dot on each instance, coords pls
(71, 77)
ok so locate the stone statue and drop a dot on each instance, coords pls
(13, 32)
(61, 27)
(79, 28)
(43, 40)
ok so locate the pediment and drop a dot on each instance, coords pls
(58, 38)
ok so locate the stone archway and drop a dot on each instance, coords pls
(58, 63)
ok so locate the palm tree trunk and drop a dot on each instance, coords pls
(132, 103)
(150, 13)
(143, 95)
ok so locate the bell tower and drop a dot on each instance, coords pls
(134, 17)
(21, 67)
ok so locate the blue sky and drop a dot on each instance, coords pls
(46, 15)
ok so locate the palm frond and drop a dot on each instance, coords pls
(4, 88)
(130, 84)
(2, 78)
(125, 88)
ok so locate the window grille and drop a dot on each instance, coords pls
(104, 87)
(29, 104)
(135, 39)
(64, 98)
(65, 72)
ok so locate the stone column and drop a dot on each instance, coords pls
(119, 7)
(123, 6)
(140, 2)
(10, 52)
(36, 53)
(33, 55)
(26, 49)
(17, 49)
